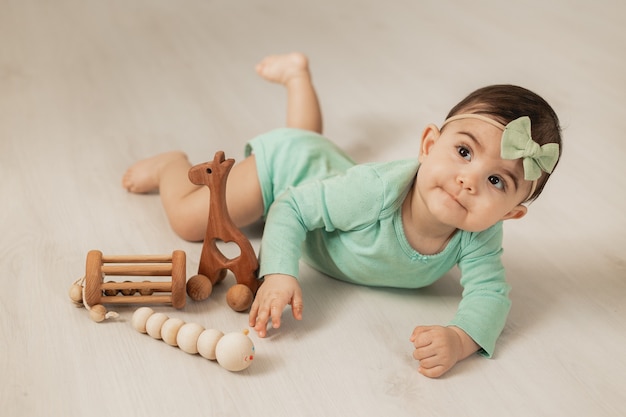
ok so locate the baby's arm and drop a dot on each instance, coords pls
(482, 311)
(439, 348)
(329, 204)
(271, 299)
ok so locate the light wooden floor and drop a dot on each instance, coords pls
(89, 86)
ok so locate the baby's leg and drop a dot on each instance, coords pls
(292, 71)
(186, 204)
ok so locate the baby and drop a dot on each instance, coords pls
(400, 224)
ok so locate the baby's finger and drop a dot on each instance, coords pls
(297, 305)
(252, 317)
(421, 337)
(424, 353)
(276, 311)
(434, 372)
(262, 318)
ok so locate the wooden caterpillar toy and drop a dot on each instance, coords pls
(233, 351)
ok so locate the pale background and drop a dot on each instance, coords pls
(89, 86)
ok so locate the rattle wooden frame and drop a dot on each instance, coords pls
(99, 266)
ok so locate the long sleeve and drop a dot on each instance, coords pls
(485, 304)
(337, 204)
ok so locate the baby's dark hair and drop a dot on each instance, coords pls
(505, 103)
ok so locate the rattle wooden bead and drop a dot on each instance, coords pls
(128, 291)
(140, 318)
(146, 291)
(110, 293)
(235, 352)
(187, 338)
(76, 294)
(239, 297)
(169, 331)
(207, 342)
(154, 324)
(199, 287)
(98, 313)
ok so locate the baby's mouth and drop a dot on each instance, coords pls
(454, 198)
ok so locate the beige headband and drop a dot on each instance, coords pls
(492, 122)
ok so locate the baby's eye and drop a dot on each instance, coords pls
(464, 152)
(497, 182)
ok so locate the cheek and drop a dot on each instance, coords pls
(426, 175)
(436, 164)
(496, 209)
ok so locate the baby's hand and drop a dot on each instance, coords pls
(438, 348)
(271, 299)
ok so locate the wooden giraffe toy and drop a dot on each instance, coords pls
(213, 263)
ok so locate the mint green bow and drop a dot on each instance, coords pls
(518, 143)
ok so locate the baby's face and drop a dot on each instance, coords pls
(463, 180)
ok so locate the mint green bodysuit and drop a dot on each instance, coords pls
(345, 221)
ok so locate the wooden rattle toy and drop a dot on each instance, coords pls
(233, 351)
(213, 264)
(91, 290)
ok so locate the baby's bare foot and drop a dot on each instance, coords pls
(144, 175)
(284, 68)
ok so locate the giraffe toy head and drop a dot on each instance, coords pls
(213, 172)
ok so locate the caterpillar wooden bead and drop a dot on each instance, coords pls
(169, 331)
(187, 337)
(207, 342)
(155, 323)
(140, 317)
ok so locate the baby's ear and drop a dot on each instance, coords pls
(517, 213)
(429, 137)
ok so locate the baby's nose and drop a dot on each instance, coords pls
(468, 181)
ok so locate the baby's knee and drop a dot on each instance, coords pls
(187, 230)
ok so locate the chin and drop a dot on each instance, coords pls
(460, 222)
(474, 228)
(471, 229)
